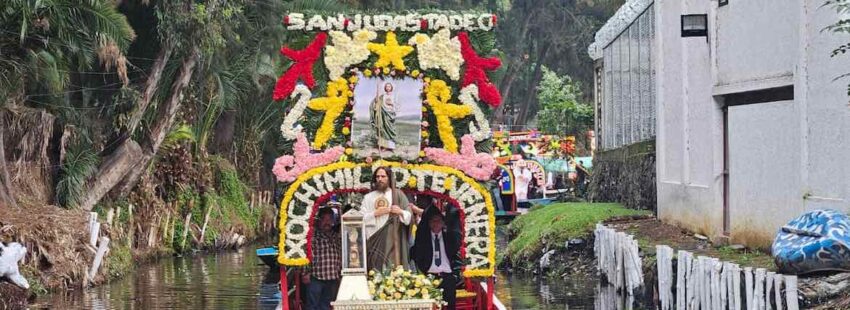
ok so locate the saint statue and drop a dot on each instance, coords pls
(382, 113)
(354, 252)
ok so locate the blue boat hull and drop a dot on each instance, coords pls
(268, 256)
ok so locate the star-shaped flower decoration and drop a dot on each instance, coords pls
(390, 53)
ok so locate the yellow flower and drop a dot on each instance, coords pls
(382, 296)
(338, 94)
(411, 183)
(386, 70)
(421, 153)
(346, 131)
(415, 73)
(424, 109)
(353, 79)
(367, 72)
(438, 94)
(449, 183)
(397, 295)
(390, 53)
(427, 80)
(348, 151)
(424, 134)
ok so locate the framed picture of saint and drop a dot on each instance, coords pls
(387, 117)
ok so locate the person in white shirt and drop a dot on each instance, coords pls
(437, 252)
(386, 213)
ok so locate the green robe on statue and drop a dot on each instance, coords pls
(382, 115)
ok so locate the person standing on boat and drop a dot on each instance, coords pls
(322, 278)
(386, 213)
(437, 252)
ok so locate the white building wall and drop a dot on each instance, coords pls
(824, 113)
(689, 142)
(784, 157)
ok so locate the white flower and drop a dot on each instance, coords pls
(439, 52)
(316, 22)
(296, 21)
(347, 51)
(469, 97)
(288, 128)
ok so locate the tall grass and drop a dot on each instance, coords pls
(79, 164)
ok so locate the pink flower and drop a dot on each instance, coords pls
(424, 123)
(477, 165)
(288, 167)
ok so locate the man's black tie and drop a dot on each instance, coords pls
(437, 255)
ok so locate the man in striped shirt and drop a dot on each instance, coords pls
(322, 278)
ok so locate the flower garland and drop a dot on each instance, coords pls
(477, 165)
(338, 94)
(439, 52)
(347, 51)
(468, 96)
(390, 53)
(301, 68)
(316, 184)
(474, 74)
(288, 129)
(437, 95)
(288, 167)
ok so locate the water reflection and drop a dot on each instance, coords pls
(523, 291)
(230, 280)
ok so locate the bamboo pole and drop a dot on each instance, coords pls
(98, 259)
(204, 228)
(186, 229)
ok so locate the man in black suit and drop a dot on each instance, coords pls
(437, 252)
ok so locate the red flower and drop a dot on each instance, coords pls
(474, 74)
(345, 23)
(286, 20)
(423, 24)
(495, 20)
(301, 68)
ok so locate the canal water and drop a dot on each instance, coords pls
(239, 280)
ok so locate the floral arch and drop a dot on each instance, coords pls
(317, 185)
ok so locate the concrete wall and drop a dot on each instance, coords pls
(785, 157)
(689, 124)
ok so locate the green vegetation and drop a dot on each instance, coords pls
(563, 111)
(120, 259)
(555, 224)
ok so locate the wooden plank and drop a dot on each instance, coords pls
(748, 288)
(736, 287)
(724, 285)
(791, 293)
(691, 283)
(758, 290)
(109, 216)
(702, 287)
(777, 286)
(768, 289)
(665, 275)
(718, 293)
(681, 280)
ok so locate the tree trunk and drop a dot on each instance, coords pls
(535, 78)
(6, 198)
(130, 160)
(223, 133)
(150, 89)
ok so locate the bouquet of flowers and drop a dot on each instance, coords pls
(400, 284)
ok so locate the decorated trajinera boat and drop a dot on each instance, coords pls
(400, 94)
